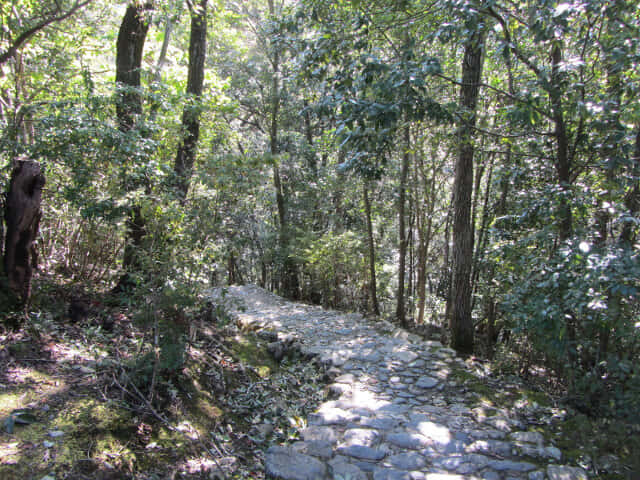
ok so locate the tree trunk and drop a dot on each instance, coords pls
(22, 216)
(563, 161)
(461, 322)
(129, 48)
(375, 308)
(424, 238)
(402, 231)
(195, 82)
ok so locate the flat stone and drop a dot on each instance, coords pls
(316, 433)
(394, 409)
(528, 437)
(540, 452)
(408, 461)
(444, 476)
(490, 475)
(346, 378)
(539, 475)
(509, 465)
(360, 436)
(434, 431)
(362, 452)
(390, 474)
(380, 423)
(563, 472)
(342, 469)
(405, 356)
(339, 388)
(491, 447)
(412, 441)
(331, 416)
(315, 448)
(286, 464)
(426, 382)
(454, 463)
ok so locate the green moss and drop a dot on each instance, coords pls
(251, 350)
(89, 415)
(532, 396)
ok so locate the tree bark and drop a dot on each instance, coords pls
(129, 48)
(563, 160)
(402, 231)
(185, 156)
(424, 237)
(22, 216)
(461, 325)
(375, 307)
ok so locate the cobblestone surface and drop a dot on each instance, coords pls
(398, 414)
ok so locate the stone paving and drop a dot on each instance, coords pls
(399, 413)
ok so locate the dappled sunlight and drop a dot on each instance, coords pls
(436, 432)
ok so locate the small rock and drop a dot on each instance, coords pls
(362, 452)
(529, 437)
(48, 444)
(491, 446)
(405, 356)
(346, 378)
(537, 475)
(339, 388)
(412, 441)
(360, 436)
(390, 474)
(444, 476)
(490, 475)
(426, 382)
(553, 452)
(563, 472)
(509, 465)
(287, 464)
(380, 423)
(315, 433)
(56, 433)
(342, 469)
(315, 448)
(408, 461)
(331, 416)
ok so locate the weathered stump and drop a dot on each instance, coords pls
(22, 217)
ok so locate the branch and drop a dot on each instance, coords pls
(497, 90)
(26, 35)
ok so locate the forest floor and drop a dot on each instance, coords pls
(283, 390)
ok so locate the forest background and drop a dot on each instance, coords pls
(469, 166)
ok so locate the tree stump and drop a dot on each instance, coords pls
(22, 217)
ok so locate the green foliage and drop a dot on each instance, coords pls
(335, 263)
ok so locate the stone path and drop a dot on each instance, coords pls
(399, 413)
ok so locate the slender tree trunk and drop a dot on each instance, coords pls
(484, 224)
(424, 239)
(461, 322)
(375, 308)
(402, 230)
(185, 156)
(563, 161)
